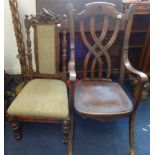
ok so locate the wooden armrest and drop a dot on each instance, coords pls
(141, 80)
(142, 76)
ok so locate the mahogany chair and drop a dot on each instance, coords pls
(96, 96)
(43, 96)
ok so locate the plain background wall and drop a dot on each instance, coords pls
(11, 63)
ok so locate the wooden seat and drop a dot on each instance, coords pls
(101, 98)
(96, 96)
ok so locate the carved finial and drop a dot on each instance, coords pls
(45, 16)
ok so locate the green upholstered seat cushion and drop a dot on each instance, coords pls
(41, 98)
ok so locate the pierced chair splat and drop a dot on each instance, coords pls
(96, 95)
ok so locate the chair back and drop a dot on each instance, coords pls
(100, 19)
(49, 45)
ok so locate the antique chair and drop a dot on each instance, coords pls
(43, 97)
(94, 96)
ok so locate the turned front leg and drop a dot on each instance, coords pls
(17, 130)
(65, 131)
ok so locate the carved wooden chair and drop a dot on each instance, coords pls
(43, 97)
(94, 96)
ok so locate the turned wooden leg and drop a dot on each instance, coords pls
(17, 130)
(131, 133)
(66, 131)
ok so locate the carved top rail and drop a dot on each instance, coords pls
(98, 52)
(44, 17)
(100, 8)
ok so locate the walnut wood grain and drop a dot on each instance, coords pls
(93, 49)
(104, 49)
(101, 98)
(29, 54)
(64, 45)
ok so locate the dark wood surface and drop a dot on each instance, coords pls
(58, 6)
(98, 51)
(138, 34)
(102, 100)
(97, 97)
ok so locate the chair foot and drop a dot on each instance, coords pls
(17, 130)
(131, 133)
(66, 128)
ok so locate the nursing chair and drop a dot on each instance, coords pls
(96, 96)
(43, 97)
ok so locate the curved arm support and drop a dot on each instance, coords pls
(141, 79)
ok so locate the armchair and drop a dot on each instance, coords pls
(96, 96)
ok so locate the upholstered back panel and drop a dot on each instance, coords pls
(50, 32)
(46, 47)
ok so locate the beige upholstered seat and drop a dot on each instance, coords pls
(42, 98)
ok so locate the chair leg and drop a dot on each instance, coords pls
(131, 133)
(70, 142)
(17, 130)
(66, 128)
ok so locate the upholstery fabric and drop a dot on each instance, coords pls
(46, 48)
(42, 98)
(101, 98)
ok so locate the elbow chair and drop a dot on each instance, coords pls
(97, 96)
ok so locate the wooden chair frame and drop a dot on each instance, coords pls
(107, 9)
(44, 17)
